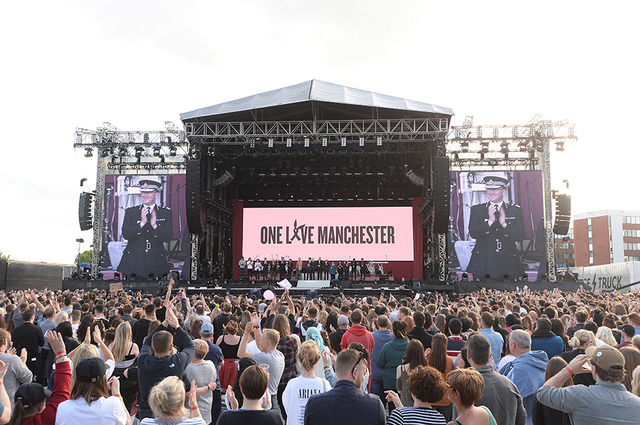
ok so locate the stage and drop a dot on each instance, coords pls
(347, 287)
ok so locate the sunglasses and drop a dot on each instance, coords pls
(362, 354)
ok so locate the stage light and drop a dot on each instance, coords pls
(464, 146)
(560, 146)
(156, 151)
(146, 137)
(288, 142)
(270, 142)
(105, 152)
(88, 153)
(361, 141)
(504, 147)
(173, 150)
(324, 142)
(169, 139)
(343, 141)
(139, 151)
(306, 142)
(379, 141)
(252, 143)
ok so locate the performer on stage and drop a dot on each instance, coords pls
(146, 228)
(496, 226)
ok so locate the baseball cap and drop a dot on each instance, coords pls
(206, 329)
(606, 357)
(91, 369)
(628, 329)
(343, 320)
(262, 307)
(31, 395)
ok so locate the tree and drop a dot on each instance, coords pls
(85, 257)
(5, 257)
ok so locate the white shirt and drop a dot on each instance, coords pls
(296, 395)
(104, 411)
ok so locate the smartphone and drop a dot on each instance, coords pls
(178, 297)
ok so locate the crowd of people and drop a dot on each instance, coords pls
(492, 357)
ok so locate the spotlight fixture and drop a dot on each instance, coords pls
(105, 152)
(173, 150)
(324, 142)
(504, 147)
(343, 141)
(139, 151)
(379, 141)
(156, 151)
(306, 142)
(270, 142)
(252, 143)
(560, 146)
(361, 141)
(146, 137)
(88, 153)
(288, 142)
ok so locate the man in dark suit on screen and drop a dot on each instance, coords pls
(146, 228)
(496, 226)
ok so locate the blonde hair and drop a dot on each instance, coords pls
(581, 337)
(85, 351)
(167, 399)
(469, 383)
(60, 317)
(308, 355)
(122, 342)
(605, 335)
(202, 348)
(272, 336)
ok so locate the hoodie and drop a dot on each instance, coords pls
(390, 358)
(381, 338)
(358, 333)
(527, 372)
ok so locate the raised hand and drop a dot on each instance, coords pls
(143, 216)
(492, 214)
(97, 336)
(114, 384)
(502, 218)
(56, 342)
(233, 402)
(154, 219)
(193, 398)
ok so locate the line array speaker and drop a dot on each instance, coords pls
(85, 209)
(441, 194)
(563, 215)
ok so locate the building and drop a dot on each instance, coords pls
(606, 237)
(565, 252)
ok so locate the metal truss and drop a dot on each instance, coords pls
(98, 219)
(272, 133)
(513, 147)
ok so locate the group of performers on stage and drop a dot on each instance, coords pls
(311, 269)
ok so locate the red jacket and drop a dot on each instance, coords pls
(61, 392)
(358, 333)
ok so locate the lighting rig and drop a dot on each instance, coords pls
(129, 152)
(513, 147)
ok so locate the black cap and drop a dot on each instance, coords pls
(629, 330)
(30, 395)
(91, 369)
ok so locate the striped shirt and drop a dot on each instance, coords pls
(416, 416)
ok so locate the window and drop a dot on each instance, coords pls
(632, 258)
(632, 233)
(632, 220)
(632, 246)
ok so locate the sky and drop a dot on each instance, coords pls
(137, 64)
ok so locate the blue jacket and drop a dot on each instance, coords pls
(381, 338)
(546, 341)
(345, 404)
(527, 372)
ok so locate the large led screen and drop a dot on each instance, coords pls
(145, 227)
(496, 226)
(372, 233)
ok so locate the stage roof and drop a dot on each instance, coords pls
(289, 103)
